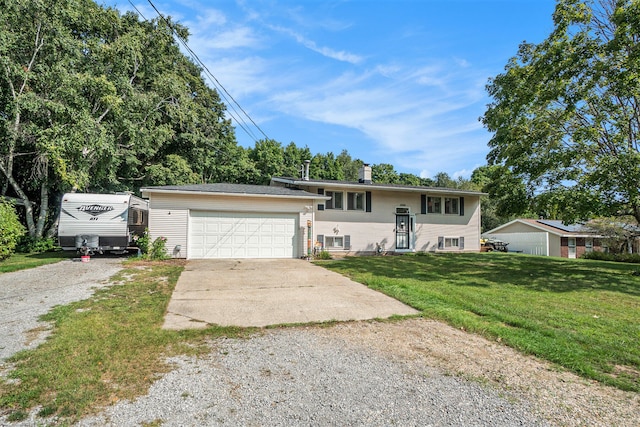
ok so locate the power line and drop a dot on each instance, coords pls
(239, 120)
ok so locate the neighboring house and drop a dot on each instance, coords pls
(547, 237)
(291, 217)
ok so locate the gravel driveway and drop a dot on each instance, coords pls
(28, 294)
(302, 377)
(412, 372)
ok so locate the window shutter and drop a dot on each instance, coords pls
(321, 205)
(367, 196)
(347, 242)
(320, 239)
(461, 206)
(423, 204)
(440, 242)
(461, 242)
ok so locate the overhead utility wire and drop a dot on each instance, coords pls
(213, 148)
(241, 122)
(238, 120)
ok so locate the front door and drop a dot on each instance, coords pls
(403, 230)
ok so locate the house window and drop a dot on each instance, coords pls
(336, 200)
(434, 205)
(355, 201)
(451, 205)
(588, 244)
(451, 242)
(334, 242)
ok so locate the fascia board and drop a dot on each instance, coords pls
(147, 191)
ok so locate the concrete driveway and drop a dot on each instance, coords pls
(259, 292)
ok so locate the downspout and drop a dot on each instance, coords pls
(546, 235)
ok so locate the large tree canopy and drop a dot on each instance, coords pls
(92, 100)
(566, 112)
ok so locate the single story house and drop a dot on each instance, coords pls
(546, 237)
(291, 217)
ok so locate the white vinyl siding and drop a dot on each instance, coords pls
(378, 227)
(169, 215)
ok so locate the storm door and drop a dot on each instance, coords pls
(403, 231)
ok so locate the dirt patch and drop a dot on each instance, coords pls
(561, 397)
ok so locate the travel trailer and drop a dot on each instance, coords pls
(101, 223)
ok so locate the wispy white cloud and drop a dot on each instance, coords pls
(339, 55)
(395, 114)
(418, 114)
(206, 38)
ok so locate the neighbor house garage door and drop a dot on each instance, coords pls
(235, 235)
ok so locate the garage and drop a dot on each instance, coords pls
(205, 221)
(242, 235)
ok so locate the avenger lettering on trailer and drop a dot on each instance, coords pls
(95, 210)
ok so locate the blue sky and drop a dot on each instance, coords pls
(390, 81)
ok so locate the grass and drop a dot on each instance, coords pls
(104, 349)
(583, 315)
(23, 261)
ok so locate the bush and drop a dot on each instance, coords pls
(143, 242)
(158, 249)
(30, 245)
(604, 256)
(599, 256)
(10, 229)
(626, 257)
(323, 255)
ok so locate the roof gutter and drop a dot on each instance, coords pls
(146, 191)
(422, 190)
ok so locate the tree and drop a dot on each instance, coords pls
(268, 157)
(94, 101)
(442, 179)
(324, 166)
(507, 197)
(350, 167)
(294, 159)
(507, 194)
(384, 173)
(619, 233)
(566, 112)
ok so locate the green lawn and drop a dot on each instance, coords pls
(23, 261)
(583, 315)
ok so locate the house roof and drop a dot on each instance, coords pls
(556, 227)
(233, 190)
(368, 186)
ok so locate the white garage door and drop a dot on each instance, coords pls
(235, 235)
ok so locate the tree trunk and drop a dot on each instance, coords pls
(44, 209)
